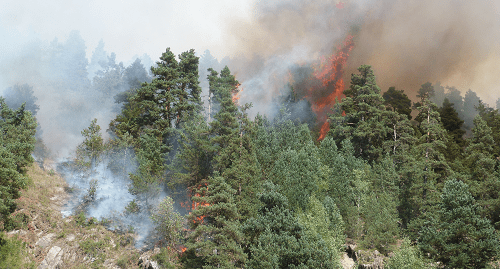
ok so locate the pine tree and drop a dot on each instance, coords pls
(216, 238)
(17, 142)
(397, 101)
(165, 103)
(459, 237)
(231, 135)
(484, 183)
(425, 174)
(363, 123)
(277, 240)
(453, 125)
(89, 151)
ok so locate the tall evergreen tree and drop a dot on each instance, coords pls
(426, 173)
(359, 117)
(459, 237)
(216, 238)
(160, 105)
(17, 142)
(484, 182)
(453, 125)
(277, 240)
(397, 101)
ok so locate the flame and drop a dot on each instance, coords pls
(183, 249)
(194, 204)
(329, 72)
(236, 94)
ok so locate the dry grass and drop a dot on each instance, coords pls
(85, 244)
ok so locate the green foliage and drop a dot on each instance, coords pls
(80, 219)
(92, 248)
(150, 173)
(298, 173)
(93, 185)
(216, 238)
(164, 258)
(132, 207)
(168, 223)
(274, 137)
(406, 257)
(480, 163)
(360, 116)
(89, 151)
(397, 101)
(324, 222)
(11, 252)
(458, 236)
(453, 125)
(277, 240)
(381, 222)
(17, 141)
(163, 104)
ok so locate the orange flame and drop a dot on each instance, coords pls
(329, 72)
(236, 94)
(194, 204)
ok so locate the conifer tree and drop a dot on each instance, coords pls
(277, 240)
(231, 135)
(216, 238)
(425, 174)
(90, 150)
(397, 101)
(363, 122)
(483, 181)
(162, 105)
(453, 125)
(458, 236)
(17, 142)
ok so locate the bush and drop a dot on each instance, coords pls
(16, 221)
(168, 222)
(10, 252)
(164, 258)
(407, 257)
(93, 185)
(132, 207)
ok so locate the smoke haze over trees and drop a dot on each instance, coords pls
(321, 128)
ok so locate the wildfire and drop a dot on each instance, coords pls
(195, 205)
(236, 94)
(329, 72)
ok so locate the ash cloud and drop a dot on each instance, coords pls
(407, 43)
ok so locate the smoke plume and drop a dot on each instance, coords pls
(407, 43)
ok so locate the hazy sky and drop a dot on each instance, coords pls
(127, 27)
(456, 42)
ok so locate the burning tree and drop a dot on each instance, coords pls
(216, 238)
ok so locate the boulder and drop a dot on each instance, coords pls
(53, 258)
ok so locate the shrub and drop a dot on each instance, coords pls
(132, 207)
(168, 222)
(10, 252)
(407, 257)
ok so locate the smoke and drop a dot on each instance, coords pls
(111, 197)
(68, 96)
(407, 43)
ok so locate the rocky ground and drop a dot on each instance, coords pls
(74, 242)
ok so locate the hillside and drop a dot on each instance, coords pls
(51, 241)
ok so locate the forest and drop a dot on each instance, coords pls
(416, 183)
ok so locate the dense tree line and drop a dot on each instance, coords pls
(266, 194)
